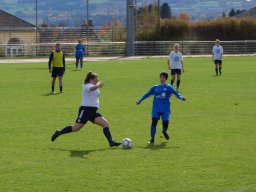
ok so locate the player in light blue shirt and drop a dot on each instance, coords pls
(217, 53)
(80, 53)
(161, 105)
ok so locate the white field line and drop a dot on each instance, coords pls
(45, 60)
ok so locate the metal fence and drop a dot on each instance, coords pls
(140, 48)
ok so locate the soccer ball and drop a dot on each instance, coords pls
(127, 143)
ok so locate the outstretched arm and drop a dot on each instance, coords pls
(149, 93)
(179, 96)
(98, 85)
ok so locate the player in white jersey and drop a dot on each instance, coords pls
(217, 52)
(88, 110)
(175, 64)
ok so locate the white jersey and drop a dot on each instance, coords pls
(90, 98)
(217, 52)
(175, 59)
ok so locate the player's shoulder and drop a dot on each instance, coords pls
(155, 86)
(87, 86)
(169, 86)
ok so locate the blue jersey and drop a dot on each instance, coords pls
(162, 94)
(80, 50)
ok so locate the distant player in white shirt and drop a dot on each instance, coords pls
(175, 64)
(217, 52)
(88, 110)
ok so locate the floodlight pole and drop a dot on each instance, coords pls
(36, 27)
(130, 35)
(158, 20)
(87, 20)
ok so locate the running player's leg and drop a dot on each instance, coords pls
(153, 130)
(220, 67)
(60, 84)
(101, 121)
(155, 118)
(81, 63)
(54, 76)
(165, 123)
(173, 73)
(67, 129)
(77, 61)
(178, 79)
(83, 117)
(216, 67)
(53, 83)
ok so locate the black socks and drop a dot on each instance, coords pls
(178, 84)
(67, 129)
(107, 134)
(61, 88)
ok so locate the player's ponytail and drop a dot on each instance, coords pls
(90, 75)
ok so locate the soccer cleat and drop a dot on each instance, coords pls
(55, 135)
(114, 143)
(166, 135)
(152, 141)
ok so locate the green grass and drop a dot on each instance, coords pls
(212, 146)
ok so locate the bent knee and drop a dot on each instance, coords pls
(76, 128)
(105, 124)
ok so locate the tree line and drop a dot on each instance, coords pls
(170, 28)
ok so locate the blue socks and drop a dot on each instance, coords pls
(153, 132)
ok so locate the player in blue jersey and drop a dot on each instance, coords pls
(80, 53)
(161, 105)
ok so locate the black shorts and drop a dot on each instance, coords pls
(87, 114)
(218, 62)
(175, 71)
(57, 71)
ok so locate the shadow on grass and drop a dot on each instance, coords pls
(32, 68)
(50, 94)
(216, 75)
(78, 153)
(158, 146)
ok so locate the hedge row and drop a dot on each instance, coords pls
(224, 29)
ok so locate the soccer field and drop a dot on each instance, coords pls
(213, 133)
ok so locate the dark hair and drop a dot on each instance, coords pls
(164, 74)
(90, 76)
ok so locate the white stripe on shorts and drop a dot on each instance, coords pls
(81, 114)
